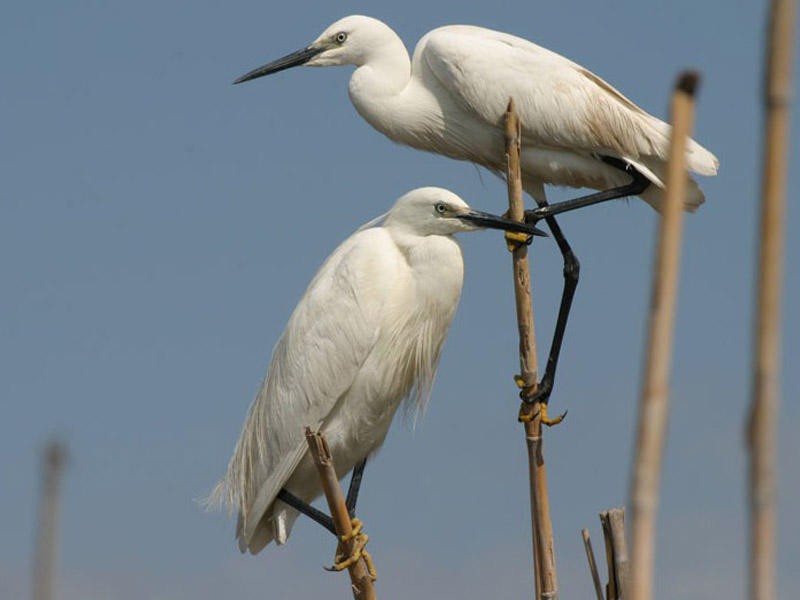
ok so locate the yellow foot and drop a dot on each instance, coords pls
(373, 574)
(514, 239)
(548, 421)
(527, 414)
(357, 551)
(357, 526)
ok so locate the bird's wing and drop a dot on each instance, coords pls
(328, 338)
(561, 104)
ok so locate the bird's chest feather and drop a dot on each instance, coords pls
(411, 116)
(415, 323)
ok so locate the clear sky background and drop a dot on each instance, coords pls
(157, 226)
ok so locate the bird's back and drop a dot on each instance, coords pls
(569, 115)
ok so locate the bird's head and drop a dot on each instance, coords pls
(436, 211)
(352, 40)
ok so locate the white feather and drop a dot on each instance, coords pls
(452, 96)
(367, 333)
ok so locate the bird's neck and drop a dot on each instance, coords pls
(385, 71)
(438, 269)
(379, 82)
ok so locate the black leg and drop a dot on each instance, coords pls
(355, 486)
(317, 515)
(571, 265)
(638, 184)
(312, 513)
(572, 270)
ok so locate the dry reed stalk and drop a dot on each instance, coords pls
(613, 522)
(360, 578)
(587, 544)
(543, 550)
(55, 456)
(766, 362)
(654, 394)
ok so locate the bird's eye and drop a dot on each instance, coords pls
(341, 37)
(440, 208)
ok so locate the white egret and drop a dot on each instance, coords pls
(366, 334)
(450, 99)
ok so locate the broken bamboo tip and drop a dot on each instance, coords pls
(688, 82)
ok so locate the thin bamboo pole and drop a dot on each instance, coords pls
(543, 550)
(654, 395)
(55, 456)
(360, 577)
(587, 544)
(763, 432)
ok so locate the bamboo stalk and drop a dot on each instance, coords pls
(587, 544)
(55, 456)
(360, 578)
(763, 418)
(654, 394)
(543, 550)
(613, 522)
(611, 585)
(616, 525)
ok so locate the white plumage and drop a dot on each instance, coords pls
(451, 97)
(366, 334)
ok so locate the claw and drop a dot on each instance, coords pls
(547, 420)
(343, 562)
(358, 551)
(356, 525)
(515, 239)
(373, 574)
(526, 415)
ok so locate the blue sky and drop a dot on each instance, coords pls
(158, 224)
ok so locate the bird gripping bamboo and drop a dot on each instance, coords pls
(362, 574)
(530, 414)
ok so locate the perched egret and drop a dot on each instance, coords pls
(366, 334)
(450, 99)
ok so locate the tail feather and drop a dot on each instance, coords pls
(654, 196)
(698, 159)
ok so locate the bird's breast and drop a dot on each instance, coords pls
(419, 116)
(414, 324)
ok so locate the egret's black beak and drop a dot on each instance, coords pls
(294, 59)
(482, 219)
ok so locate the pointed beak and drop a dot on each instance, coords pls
(294, 59)
(488, 220)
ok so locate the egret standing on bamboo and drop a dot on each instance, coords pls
(450, 99)
(366, 334)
